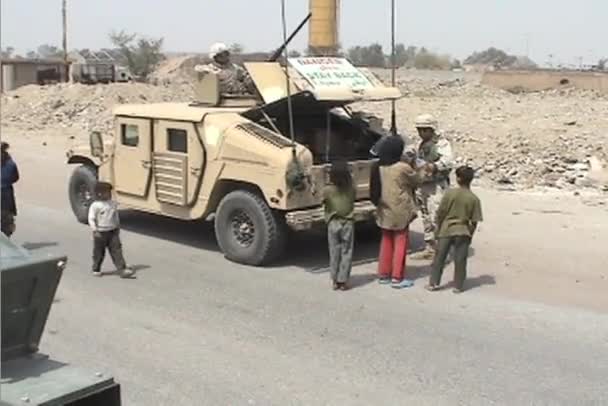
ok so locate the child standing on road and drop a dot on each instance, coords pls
(392, 184)
(457, 217)
(105, 223)
(339, 201)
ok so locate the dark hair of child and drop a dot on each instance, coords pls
(465, 175)
(339, 175)
(102, 188)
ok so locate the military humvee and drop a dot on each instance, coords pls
(29, 284)
(237, 159)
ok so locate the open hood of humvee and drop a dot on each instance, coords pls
(331, 80)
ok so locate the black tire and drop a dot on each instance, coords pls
(82, 191)
(247, 230)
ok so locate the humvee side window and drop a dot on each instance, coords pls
(177, 140)
(129, 134)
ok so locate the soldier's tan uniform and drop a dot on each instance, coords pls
(436, 151)
(232, 78)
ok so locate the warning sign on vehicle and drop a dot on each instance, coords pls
(330, 72)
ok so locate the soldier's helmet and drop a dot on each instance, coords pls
(217, 49)
(426, 121)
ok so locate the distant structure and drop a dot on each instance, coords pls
(323, 30)
(17, 72)
(540, 80)
(98, 67)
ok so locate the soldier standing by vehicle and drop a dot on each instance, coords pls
(10, 176)
(435, 153)
(232, 78)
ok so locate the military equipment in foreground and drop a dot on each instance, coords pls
(239, 159)
(29, 377)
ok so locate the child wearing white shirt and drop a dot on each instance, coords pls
(105, 223)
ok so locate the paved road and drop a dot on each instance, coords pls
(194, 329)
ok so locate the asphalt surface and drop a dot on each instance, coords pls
(194, 329)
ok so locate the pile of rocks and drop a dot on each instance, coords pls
(518, 141)
(557, 138)
(177, 71)
(87, 107)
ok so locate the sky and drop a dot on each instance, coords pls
(568, 30)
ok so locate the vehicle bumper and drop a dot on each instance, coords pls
(305, 219)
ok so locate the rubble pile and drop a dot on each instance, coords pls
(86, 107)
(176, 71)
(556, 138)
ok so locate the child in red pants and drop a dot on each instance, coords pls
(392, 191)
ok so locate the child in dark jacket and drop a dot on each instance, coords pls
(8, 206)
(339, 201)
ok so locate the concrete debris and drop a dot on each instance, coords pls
(556, 138)
(78, 106)
(529, 140)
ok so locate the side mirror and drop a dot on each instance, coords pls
(96, 143)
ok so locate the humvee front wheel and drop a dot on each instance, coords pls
(247, 230)
(82, 191)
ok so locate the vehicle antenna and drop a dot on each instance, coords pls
(393, 67)
(287, 79)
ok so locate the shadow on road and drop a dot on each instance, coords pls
(20, 369)
(471, 283)
(196, 234)
(32, 246)
(306, 250)
(479, 281)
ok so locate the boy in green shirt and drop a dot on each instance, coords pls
(456, 219)
(339, 203)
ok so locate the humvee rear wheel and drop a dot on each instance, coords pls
(82, 191)
(247, 230)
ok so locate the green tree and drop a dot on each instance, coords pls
(7, 52)
(49, 51)
(429, 60)
(492, 56)
(141, 54)
(404, 56)
(237, 49)
(371, 56)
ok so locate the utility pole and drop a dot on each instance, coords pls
(64, 14)
(393, 67)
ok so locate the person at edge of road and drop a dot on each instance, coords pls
(339, 204)
(233, 79)
(392, 184)
(457, 217)
(105, 223)
(435, 152)
(8, 205)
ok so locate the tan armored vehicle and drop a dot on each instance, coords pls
(236, 159)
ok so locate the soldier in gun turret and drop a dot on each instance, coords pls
(233, 79)
(435, 154)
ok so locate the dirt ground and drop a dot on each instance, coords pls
(194, 328)
(544, 246)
